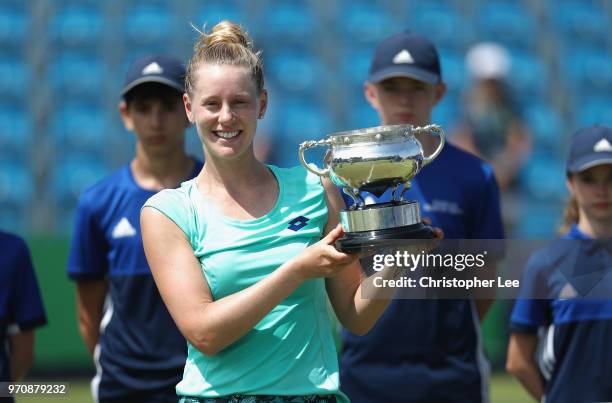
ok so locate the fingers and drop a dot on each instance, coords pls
(333, 235)
(438, 233)
(340, 257)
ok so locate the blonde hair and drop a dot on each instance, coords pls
(229, 44)
(570, 215)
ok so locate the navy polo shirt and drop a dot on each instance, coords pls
(21, 307)
(565, 296)
(431, 350)
(140, 348)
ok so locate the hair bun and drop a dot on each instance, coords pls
(226, 32)
(226, 44)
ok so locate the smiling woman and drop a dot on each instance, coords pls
(243, 254)
(226, 109)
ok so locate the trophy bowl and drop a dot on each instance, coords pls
(373, 160)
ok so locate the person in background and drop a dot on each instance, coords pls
(566, 290)
(21, 309)
(138, 351)
(425, 350)
(492, 126)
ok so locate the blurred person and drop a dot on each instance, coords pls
(21, 309)
(576, 359)
(425, 350)
(243, 254)
(137, 349)
(492, 127)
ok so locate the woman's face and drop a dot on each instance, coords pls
(225, 107)
(592, 189)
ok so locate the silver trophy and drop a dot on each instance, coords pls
(374, 160)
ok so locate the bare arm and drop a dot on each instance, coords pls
(211, 325)
(90, 304)
(521, 363)
(355, 313)
(484, 297)
(22, 354)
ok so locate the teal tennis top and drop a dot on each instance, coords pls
(291, 351)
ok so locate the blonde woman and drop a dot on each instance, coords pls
(243, 254)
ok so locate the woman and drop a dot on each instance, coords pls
(566, 289)
(257, 321)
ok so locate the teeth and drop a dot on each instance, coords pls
(228, 135)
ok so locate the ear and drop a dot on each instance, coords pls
(569, 183)
(440, 91)
(188, 108)
(124, 112)
(263, 104)
(370, 93)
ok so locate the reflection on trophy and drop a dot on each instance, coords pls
(374, 160)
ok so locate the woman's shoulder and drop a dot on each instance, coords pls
(296, 174)
(172, 200)
(178, 205)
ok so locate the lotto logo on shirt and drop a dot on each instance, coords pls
(298, 223)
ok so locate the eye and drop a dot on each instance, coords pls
(171, 106)
(142, 107)
(587, 178)
(389, 88)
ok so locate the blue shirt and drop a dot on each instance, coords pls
(431, 350)
(21, 307)
(566, 294)
(140, 347)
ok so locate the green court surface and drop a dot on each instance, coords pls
(504, 389)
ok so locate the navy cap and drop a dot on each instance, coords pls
(590, 146)
(155, 69)
(406, 54)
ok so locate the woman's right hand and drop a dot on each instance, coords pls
(322, 259)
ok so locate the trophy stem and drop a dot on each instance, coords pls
(355, 196)
(404, 190)
(394, 193)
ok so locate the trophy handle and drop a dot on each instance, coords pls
(434, 130)
(311, 144)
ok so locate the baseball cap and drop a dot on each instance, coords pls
(590, 146)
(155, 69)
(406, 54)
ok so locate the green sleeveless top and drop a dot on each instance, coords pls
(291, 351)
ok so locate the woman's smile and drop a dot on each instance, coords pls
(227, 134)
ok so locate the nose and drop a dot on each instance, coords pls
(156, 116)
(605, 188)
(404, 98)
(225, 114)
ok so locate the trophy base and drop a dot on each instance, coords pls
(376, 240)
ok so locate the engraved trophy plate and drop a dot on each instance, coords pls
(374, 160)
